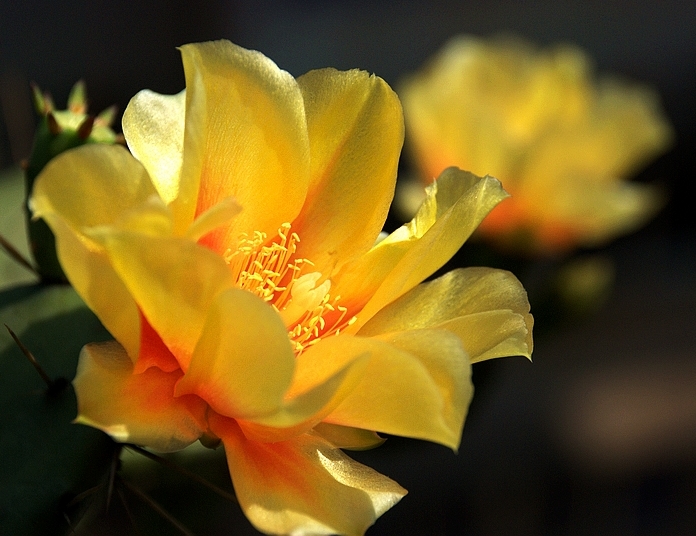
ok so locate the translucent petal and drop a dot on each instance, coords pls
(243, 362)
(487, 308)
(94, 185)
(245, 137)
(356, 130)
(134, 408)
(173, 281)
(322, 379)
(455, 205)
(417, 384)
(153, 126)
(303, 486)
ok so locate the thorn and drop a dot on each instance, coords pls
(16, 255)
(67, 520)
(128, 512)
(53, 126)
(32, 360)
(112, 475)
(83, 495)
(193, 476)
(155, 506)
(85, 128)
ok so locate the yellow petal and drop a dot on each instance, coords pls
(173, 281)
(245, 137)
(303, 486)
(94, 185)
(356, 130)
(416, 384)
(324, 375)
(243, 362)
(456, 204)
(153, 126)
(345, 437)
(487, 308)
(134, 408)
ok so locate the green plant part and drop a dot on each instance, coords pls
(47, 463)
(58, 131)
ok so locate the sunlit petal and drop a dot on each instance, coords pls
(153, 126)
(348, 114)
(174, 282)
(455, 205)
(487, 308)
(416, 384)
(243, 362)
(245, 137)
(303, 486)
(134, 408)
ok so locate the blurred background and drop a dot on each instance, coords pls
(598, 435)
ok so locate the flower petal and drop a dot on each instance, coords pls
(243, 362)
(456, 204)
(153, 126)
(356, 129)
(345, 437)
(173, 281)
(416, 384)
(487, 308)
(134, 408)
(303, 486)
(320, 382)
(92, 186)
(245, 136)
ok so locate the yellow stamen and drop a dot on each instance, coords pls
(273, 273)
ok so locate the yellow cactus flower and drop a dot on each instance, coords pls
(560, 143)
(233, 253)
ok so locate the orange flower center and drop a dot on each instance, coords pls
(272, 271)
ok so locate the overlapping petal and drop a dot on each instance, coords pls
(135, 408)
(303, 486)
(348, 114)
(455, 205)
(416, 383)
(486, 308)
(245, 137)
(174, 281)
(153, 126)
(243, 362)
(70, 197)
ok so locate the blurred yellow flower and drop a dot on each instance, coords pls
(234, 256)
(560, 143)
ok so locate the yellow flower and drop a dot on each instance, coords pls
(559, 143)
(233, 257)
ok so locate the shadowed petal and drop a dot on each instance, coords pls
(174, 282)
(303, 486)
(243, 362)
(355, 130)
(134, 408)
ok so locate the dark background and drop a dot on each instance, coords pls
(598, 435)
